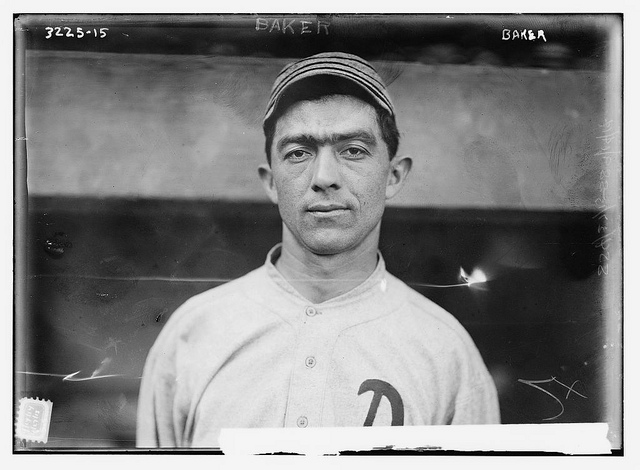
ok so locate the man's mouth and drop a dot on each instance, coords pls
(327, 209)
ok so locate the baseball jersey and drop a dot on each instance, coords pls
(256, 353)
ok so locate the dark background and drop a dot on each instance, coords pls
(104, 271)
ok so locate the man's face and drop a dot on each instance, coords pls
(329, 173)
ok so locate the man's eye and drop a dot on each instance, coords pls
(354, 152)
(297, 155)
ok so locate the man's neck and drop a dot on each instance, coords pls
(323, 277)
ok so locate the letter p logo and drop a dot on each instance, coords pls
(380, 388)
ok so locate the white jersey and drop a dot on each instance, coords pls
(255, 353)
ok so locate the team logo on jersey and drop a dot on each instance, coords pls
(381, 388)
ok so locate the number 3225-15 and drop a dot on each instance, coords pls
(79, 32)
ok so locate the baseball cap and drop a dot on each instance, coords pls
(339, 64)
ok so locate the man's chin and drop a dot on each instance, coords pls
(328, 246)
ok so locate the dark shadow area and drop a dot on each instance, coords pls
(106, 274)
(472, 39)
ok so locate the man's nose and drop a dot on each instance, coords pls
(326, 171)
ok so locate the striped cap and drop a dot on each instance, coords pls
(339, 64)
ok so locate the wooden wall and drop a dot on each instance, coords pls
(125, 125)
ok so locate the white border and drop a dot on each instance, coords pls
(629, 8)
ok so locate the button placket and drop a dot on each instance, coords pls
(304, 407)
(310, 360)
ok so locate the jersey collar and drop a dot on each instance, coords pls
(372, 298)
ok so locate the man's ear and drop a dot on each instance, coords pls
(266, 176)
(399, 169)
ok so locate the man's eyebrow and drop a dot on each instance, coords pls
(308, 139)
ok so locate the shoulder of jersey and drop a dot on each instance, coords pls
(220, 296)
(426, 310)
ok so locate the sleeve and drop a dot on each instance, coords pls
(155, 426)
(477, 402)
(479, 405)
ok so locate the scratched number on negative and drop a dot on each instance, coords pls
(67, 32)
(535, 384)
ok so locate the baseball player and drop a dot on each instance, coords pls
(321, 334)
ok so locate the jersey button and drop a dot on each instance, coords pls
(302, 422)
(310, 311)
(310, 362)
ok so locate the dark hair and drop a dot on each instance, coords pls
(315, 88)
